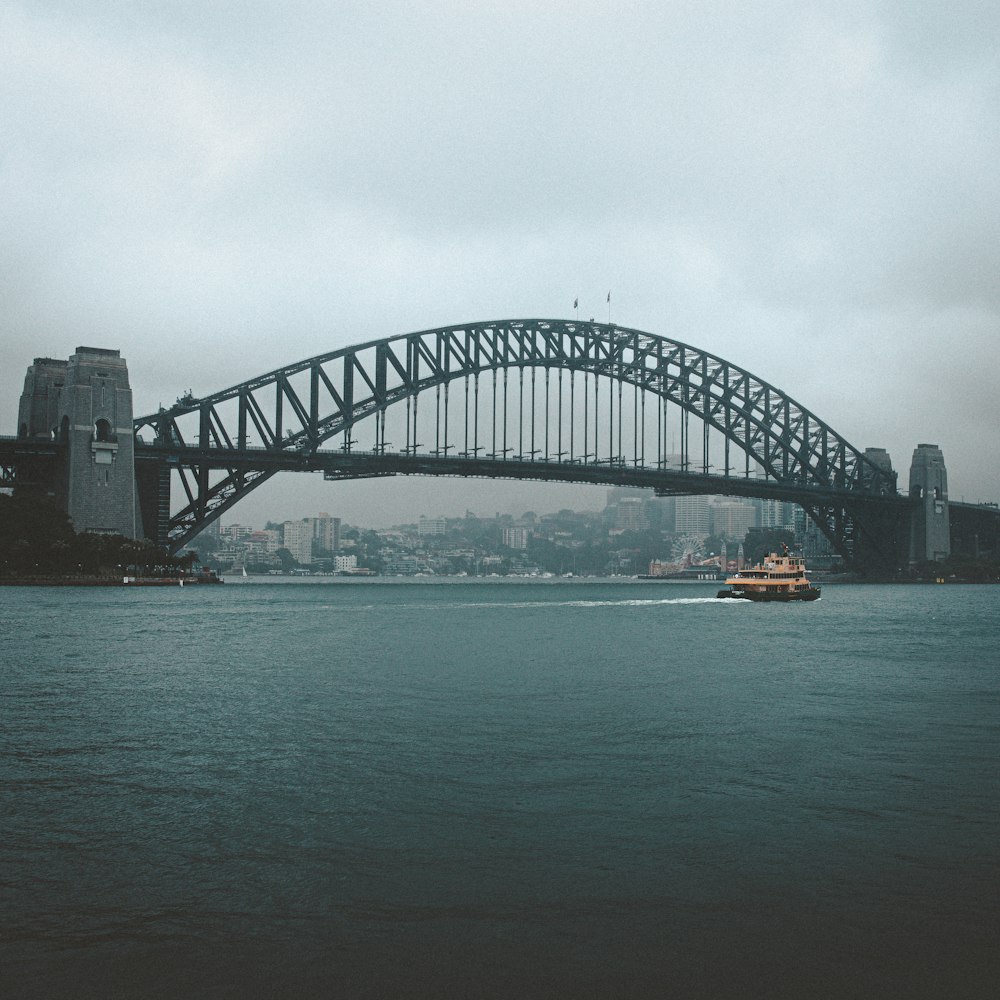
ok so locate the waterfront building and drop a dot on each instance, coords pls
(400, 564)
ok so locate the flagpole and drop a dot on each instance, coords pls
(609, 308)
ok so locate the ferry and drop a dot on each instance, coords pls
(777, 578)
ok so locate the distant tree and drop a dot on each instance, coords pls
(713, 546)
(207, 542)
(37, 539)
(759, 542)
(288, 561)
(36, 536)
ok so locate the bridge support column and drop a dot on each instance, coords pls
(153, 485)
(930, 535)
(86, 405)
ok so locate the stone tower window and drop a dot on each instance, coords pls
(102, 430)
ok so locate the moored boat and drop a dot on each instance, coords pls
(778, 577)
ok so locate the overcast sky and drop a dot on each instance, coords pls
(810, 190)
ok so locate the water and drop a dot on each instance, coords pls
(553, 789)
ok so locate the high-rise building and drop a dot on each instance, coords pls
(930, 536)
(775, 513)
(515, 538)
(692, 516)
(668, 510)
(732, 518)
(297, 537)
(326, 532)
(630, 514)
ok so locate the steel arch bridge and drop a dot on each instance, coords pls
(554, 400)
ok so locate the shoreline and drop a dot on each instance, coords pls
(108, 581)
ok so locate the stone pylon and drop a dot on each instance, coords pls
(85, 404)
(930, 532)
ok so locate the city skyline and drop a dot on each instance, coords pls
(633, 534)
(611, 497)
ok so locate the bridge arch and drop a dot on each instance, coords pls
(402, 389)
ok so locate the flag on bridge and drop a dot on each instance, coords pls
(609, 296)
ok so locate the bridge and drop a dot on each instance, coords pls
(547, 400)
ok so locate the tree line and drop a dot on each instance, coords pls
(37, 539)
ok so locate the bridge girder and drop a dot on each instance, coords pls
(240, 430)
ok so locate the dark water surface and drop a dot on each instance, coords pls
(560, 789)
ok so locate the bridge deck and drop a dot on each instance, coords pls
(355, 464)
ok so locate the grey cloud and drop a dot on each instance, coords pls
(222, 188)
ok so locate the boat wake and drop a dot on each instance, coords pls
(626, 603)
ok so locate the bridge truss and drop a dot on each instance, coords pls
(532, 399)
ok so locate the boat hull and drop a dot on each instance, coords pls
(782, 597)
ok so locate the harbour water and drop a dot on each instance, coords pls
(498, 789)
